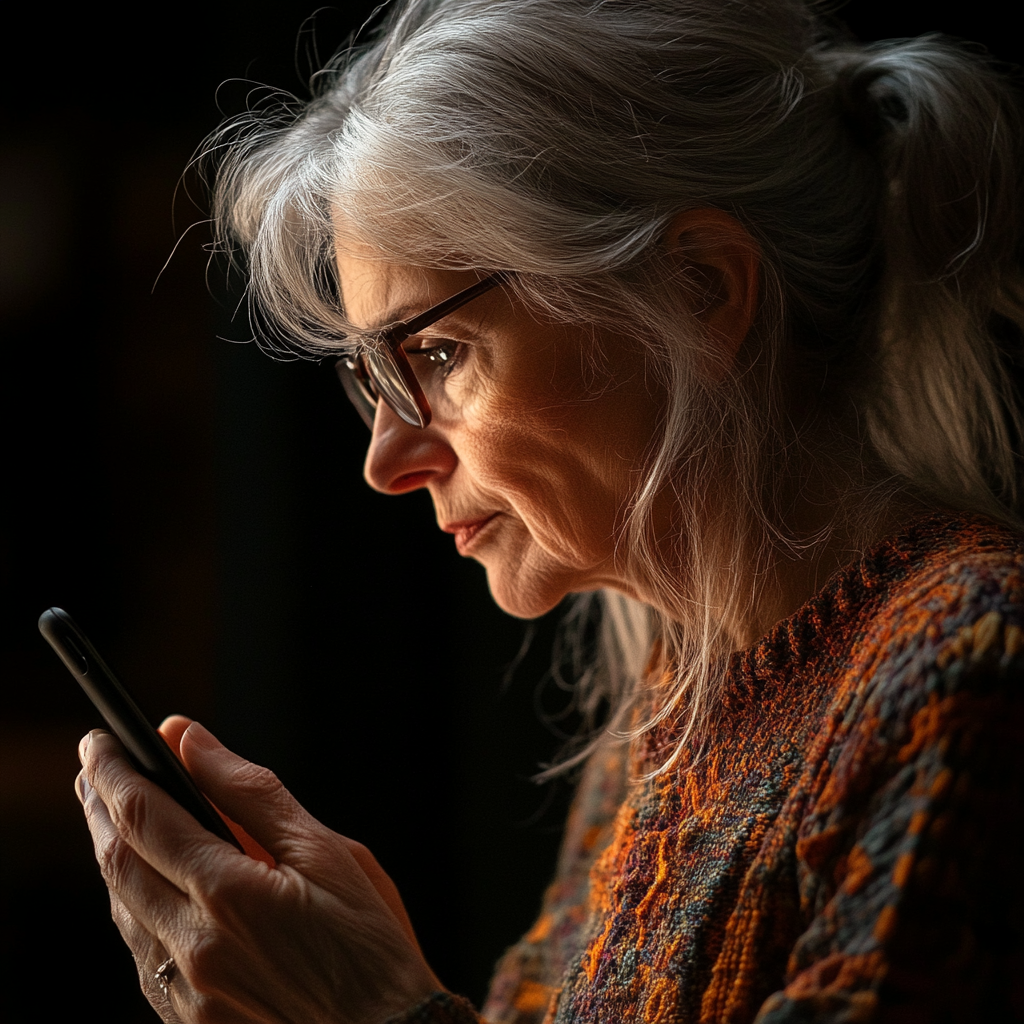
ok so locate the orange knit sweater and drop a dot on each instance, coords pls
(851, 847)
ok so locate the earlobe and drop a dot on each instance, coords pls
(718, 253)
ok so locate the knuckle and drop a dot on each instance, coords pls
(218, 894)
(138, 940)
(128, 809)
(356, 848)
(256, 778)
(203, 963)
(126, 924)
(362, 855)
(114, 856)
(225, 894)
(201, 1009)
(208, 1009)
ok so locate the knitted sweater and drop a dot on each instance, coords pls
(849, 849)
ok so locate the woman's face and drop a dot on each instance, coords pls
(534, 449)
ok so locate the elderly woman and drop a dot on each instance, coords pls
(699, 307)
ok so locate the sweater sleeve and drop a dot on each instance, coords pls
(527, 978)
(909, 863)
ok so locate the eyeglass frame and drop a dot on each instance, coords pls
(359, 382)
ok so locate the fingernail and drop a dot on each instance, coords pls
(83, 746)
(82, 787)
(201, 737)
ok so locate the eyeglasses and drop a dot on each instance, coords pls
(380, 369)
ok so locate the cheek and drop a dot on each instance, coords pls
(537, 469)
(516, 458)
(565, 459)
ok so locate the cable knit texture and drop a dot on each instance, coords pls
(848, 849)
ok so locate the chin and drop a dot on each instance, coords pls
(525, 598)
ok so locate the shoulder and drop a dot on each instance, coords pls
(937, 639)
(935, 608)
(946, 566)
(933, 661)
(948, 584)
(947, 610)
(910, 855)
(943, 597)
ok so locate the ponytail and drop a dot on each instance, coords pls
(946, 131)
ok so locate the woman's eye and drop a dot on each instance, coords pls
(442, 355)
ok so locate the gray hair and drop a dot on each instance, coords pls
(558, 139)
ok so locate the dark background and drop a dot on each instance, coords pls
(199, 509)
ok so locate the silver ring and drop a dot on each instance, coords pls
(164, 975)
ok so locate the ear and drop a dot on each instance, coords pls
(716, 250)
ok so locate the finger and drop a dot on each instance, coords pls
(148, 953)
(145, 906)
(172, 729)
(156, 827)
(152, 901)
(139, 940)
(159, 996)
(154, 916)
(153, 991)
(145, 947)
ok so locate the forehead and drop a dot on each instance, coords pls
(376, 292)
(366, 283)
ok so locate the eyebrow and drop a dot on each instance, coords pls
(396, 314)
(407, 310)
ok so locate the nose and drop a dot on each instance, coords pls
(402, 458)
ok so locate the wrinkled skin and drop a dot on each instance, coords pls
(320, 936)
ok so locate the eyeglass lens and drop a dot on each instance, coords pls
(357, 388)
(385, 374)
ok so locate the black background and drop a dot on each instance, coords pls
(199, 509)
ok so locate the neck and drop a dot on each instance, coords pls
(832, 518)
(743, 581)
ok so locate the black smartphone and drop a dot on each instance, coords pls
(147, 749)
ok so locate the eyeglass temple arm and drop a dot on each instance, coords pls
(397, 333)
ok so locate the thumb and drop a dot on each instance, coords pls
(381, 881)
(251, 795)
(255, 797)
(172, 729)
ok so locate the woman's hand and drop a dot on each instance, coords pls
(321, 936)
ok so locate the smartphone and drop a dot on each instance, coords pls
(147, 749)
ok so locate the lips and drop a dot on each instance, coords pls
(466, 531)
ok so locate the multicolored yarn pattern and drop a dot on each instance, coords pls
(848, 849)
